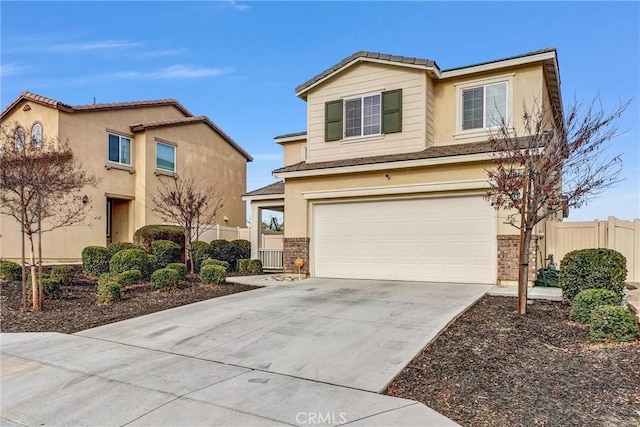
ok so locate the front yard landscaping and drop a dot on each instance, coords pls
(77, 310)
(494, 368)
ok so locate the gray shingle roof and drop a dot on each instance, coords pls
(275, 188)
(291, 135)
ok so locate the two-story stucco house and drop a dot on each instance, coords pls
(388, 180)
(132, 147)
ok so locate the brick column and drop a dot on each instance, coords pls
(293, 248)
(508, 252)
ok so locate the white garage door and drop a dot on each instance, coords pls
(449, 239)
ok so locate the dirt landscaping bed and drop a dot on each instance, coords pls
(493, 368)
(77, 309)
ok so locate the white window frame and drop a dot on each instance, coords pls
(344, 116)
(36, 143)
(175, 155)
(461, 87)
(19, 136)
(120, 137)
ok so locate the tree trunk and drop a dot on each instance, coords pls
(24, 271)
(35, 291)
(187, 249)
(523, 256)
(40, 281)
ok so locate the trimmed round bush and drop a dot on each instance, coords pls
(51, 288)
(213, 274)
(210, 261)
(10, 271)
(130, 277)
(255, 266)
(109, 277)
(612, 323)
(200, 252)
(166, 251)
(180, 268)
(165, 279)
(221, 249)
(116, 247)
(153, 262)
(239, 249)
(592, 269)
(147, 234)
(243, 265)
(108, 292)
(131, 259)
(586, 301)
(95, 260)
(63, 274)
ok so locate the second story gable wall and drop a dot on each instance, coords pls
(525, 84)
(363, 79)
(47, 117)
(294, 151)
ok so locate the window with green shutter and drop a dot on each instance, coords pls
(333, 120)
(392, 111)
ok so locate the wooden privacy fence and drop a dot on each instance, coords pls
(622, 236)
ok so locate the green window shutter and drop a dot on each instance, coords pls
(392, 111)
(333, 120)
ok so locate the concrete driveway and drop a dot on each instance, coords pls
(313, 352)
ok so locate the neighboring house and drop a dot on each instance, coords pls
(133, 147)
(388, 180)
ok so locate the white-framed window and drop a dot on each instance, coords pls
(36, 135)
(484, 104)
(18, 138)
(165, 157)
(362, 115)
(119, 149)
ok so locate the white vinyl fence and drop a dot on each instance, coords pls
(622, 236)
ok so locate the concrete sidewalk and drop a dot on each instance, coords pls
(296, 354)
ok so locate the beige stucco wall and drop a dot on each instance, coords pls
(199, 148)
(292, 151)
(362, 79)
(297, 208)
(528, 85)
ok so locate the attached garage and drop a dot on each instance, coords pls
(443, 239)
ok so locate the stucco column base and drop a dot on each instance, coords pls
(294, 248)
(508, 252)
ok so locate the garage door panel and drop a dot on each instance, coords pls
(436, 239)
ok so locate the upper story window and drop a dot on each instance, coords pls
(36, 135)
(119, 149)
(484, 104)
(165, 157)
(362, 116)
(365, 115)
(18, 138)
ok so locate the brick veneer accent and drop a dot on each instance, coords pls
(508, 251)
(293, 248)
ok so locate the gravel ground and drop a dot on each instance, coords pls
(493, 368)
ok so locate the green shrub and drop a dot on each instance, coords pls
(255, 266)
(222, 250)
(108, 292)
(166, 251)
(239, 249)
(210, 261)
(110, 277)
(215, 274)
(592, 269)
(130, 277)
(131, 259)
(51, 288)
(243, 265)
(147, 234)
(612, 323)
(116, 247)
(63, 274)
(586, 301)
(10, 271)
(180, 268)
(200, 252)
(95, 260)
(165, 279)
(548, 277)
(153, 262)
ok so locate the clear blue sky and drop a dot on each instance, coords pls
(239, 62)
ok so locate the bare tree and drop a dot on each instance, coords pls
(40, 185)
(191, 204)
(556, 164)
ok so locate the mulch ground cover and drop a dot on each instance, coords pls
(494, 368)
(77, 309)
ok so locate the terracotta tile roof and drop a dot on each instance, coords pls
(429, 153)
(275, 188)
(291, 135)
(427, 63)
(191, 120)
